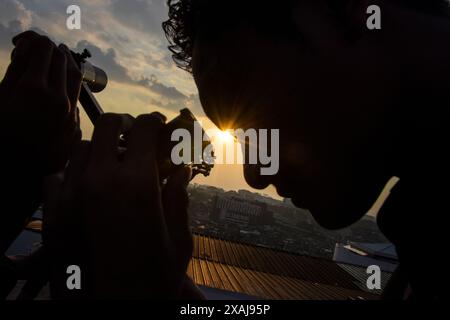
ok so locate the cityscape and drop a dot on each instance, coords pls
(253, 218)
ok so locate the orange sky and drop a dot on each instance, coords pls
(226, 176)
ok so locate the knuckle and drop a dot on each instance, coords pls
(29, 34)
(127, 121)
(159, 115)
(45, 42)
(153, 119)
(107, 119)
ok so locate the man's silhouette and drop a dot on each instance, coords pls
(354, 107)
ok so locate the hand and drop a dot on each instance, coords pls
(130, 235)
(38, 98)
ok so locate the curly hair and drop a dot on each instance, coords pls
(187, 17)
(179, 30)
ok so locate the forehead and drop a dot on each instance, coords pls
(213, 18)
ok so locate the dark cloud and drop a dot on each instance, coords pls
(155, 86)
(192, 102)
(171, 105)
(106, 60)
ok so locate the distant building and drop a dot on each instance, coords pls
(240, 212)
(290, 217)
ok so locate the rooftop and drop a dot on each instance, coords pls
(271, 274)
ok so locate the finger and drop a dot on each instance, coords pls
(19, 63)
(58, 72)
(175, 203)
(74, 77)
(40, 60)
(105, 139)
(143, 139)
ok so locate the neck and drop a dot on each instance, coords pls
(415, 211)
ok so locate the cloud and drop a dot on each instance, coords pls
(8, 32)
(142, 15)
(162, 95)
(13, 10)
(14, 18)
(106, 61)
(124, 36)
(126, 40)
(154, 85)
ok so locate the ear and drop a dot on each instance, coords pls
(328, 24)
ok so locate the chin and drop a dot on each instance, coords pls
(332, 217)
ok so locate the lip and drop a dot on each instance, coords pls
(300, 194)
(299, 203)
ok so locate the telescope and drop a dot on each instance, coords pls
(95, 80)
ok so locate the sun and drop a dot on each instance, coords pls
(224, 136)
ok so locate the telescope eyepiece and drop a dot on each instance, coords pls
(95, 78)
(86, 54)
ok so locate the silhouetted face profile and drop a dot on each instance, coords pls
(317, 73)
